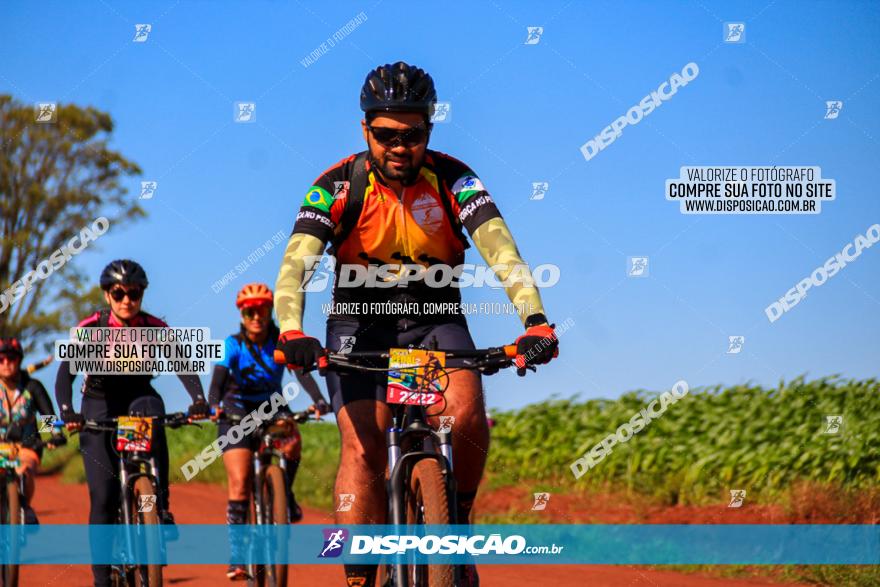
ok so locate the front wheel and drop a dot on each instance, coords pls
(147, 575)
(427, 502)
(275, 512)
(11, 515)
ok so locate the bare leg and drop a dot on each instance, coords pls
(362, 426)
(238, 472)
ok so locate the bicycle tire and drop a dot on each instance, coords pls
(256, 572)
(146, 575)
(275, 512)
(427, 502)
(11, 516)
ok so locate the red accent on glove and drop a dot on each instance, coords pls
(539, 331)
(291, 335)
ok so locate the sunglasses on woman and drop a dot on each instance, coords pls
(8, 358)
(118, 294)
(391, 137)
(255, 312)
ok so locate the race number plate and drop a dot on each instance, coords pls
(8, 455)
(412, 379)
(134, 434)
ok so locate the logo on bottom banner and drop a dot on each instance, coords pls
(334, 542)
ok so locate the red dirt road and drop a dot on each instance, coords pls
(196, 503)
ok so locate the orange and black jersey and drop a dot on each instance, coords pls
(413, 228)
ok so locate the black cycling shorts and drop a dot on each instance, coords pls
(348, 387)
(241, 408)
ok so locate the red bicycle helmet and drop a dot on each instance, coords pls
(254, 294)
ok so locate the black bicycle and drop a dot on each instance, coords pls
(138, 506)
(12, 498)
(268, 502)
(420, 482)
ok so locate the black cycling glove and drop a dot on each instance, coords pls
(300, 350)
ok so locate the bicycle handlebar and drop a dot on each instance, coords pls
(501, 357)
(298, 417)
(173, 420)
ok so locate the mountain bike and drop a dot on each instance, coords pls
(420, 483)
(12, 499)
(269, 504)
(138, 506)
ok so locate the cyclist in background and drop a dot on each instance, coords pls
(247, 377)
(22, 399)
(110, 396)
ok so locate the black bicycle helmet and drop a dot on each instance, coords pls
(9, 345)
(123, 272)
(398, 88)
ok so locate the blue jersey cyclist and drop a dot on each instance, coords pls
(241, 382)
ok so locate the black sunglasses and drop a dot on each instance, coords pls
(391, 137)
(118, 294)
(255, 311)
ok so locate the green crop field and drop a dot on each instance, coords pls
(710, 441)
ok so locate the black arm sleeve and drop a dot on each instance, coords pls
(64, 387)
(218, 384)
(311, 386)
(41, 398)
(193, 386)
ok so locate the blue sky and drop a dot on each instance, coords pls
(519, 114)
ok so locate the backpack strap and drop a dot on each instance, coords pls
(103, 319)
(354, 203)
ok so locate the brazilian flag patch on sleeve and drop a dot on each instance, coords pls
(318, 197)
(466, 187)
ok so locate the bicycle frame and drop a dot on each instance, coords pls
(132, 466)
(409, 429)
(410, 438)
(416, 431)
(263, 457)
(9, 477)
(129, 460)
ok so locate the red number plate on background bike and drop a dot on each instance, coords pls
(134, 434)
(413, 378)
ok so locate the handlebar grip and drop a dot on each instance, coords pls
(510, 351)
(323, 362)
